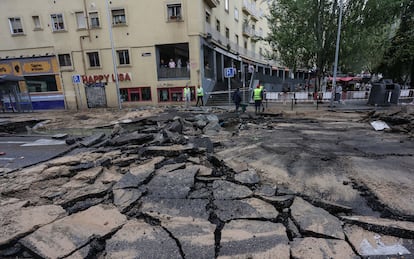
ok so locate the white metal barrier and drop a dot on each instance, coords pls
(310, 96)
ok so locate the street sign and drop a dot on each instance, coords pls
(229, 72)
(76, 79)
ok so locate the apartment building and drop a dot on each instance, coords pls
(124, 53)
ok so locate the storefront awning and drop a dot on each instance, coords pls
(10, 78)
(345, 79)
(226, 53)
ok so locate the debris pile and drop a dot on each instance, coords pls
(398, 121)
(154, 188)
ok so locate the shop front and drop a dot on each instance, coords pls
(42, 80)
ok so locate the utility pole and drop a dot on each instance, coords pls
(338, 38)
(108, 14)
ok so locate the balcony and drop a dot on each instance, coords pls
(212, 3)
(247, 30)
(246, 7)
(256, 35)
(250, 9)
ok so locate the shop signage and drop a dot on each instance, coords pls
(5, 69)
(37, 67)
(105, 78)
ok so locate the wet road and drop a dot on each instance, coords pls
(22, 151)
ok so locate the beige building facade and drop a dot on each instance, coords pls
(123, 53)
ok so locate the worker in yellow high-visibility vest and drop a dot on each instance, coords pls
(200, 95)
(257, 97)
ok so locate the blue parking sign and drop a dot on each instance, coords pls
(76, 79)
(229, 72)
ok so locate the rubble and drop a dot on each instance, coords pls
(182, 186)
(400, 120)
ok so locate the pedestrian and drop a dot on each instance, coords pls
(162, 63)
(200, 95)
(338, 93)
(237, 99)
(187, 96)
(171, 64)
(263, 95)
(257, 97)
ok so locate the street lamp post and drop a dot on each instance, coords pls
(111, 38)
(338, 38)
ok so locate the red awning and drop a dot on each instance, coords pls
(344, 79)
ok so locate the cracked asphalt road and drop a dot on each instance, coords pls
(282, 185)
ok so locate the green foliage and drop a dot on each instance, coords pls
(398, 61)
(303, 32)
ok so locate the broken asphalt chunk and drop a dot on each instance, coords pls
(137, 239)
(225, 190)
(64, 236)
(92, 140)
(254, 239)
(172, 185)
(310, 247)
(163, 209)
(245, 209)
(124, 198)
(370, 244)
(403, 229)
(171, 151)
(17, 222)
(133, 138)
(315, 220)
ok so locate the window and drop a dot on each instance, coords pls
(64, 60)
(208, 18)
(226, 5)
(236, 14)
(237, 39)
(174, 94)
(227, 33)
(218, 25)
(123, 57)
(36, 22)
(57, 22)
(118, 16)
(135, 94)
(94, 20)
(245, 44)
(174, 12)
(40, 84)
(94, 59)
(81, 20)
(16, 25)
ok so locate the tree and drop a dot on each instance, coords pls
(303, 32)
(398, 61)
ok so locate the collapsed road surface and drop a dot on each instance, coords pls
(212, 184)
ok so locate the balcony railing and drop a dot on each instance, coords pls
(235, 47)
(247, 30)
(166, 72)
(250, 8)
(212, 3)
